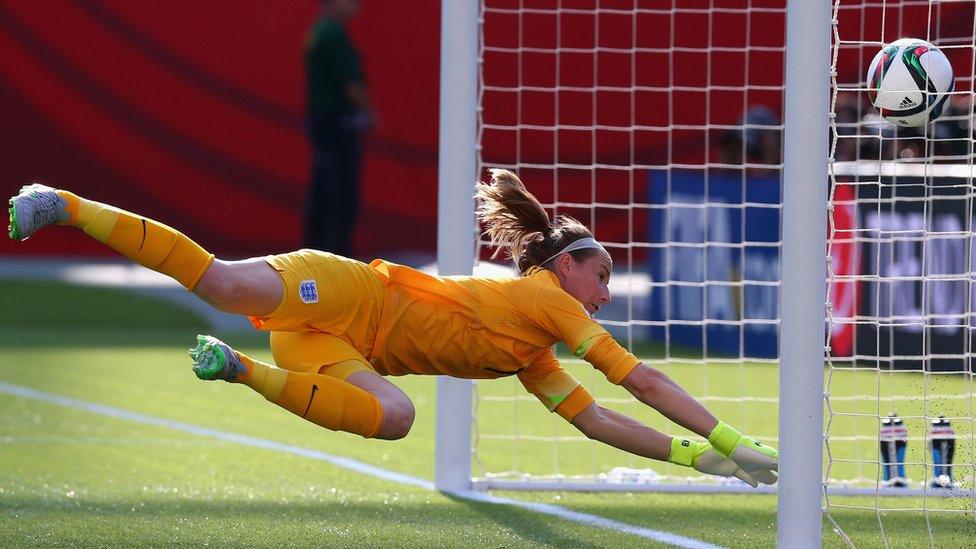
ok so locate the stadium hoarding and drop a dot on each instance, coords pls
(915, 295)
(714, 261)
(901, 264)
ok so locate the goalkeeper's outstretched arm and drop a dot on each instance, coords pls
(628, 434)
(620, 431)
(654, 388)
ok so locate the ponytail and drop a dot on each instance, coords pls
(516, 222)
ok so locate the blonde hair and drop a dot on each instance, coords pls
(515, 222)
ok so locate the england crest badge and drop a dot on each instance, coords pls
(308, 291)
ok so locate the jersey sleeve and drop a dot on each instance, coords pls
(555, 387)
(567, 320)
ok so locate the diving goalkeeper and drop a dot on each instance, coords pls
(339, 328)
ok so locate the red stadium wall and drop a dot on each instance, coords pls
(191, 112)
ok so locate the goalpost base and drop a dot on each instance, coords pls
(482, 485)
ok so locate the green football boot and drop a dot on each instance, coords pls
(34, 207)
(214, 359)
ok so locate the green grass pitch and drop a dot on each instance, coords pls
(75, 478)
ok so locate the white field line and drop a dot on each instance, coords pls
(351, 464)
(225, 436)
(110, 441)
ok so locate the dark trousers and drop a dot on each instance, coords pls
(333, 195)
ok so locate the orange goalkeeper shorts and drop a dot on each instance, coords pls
(327, 293)
(317, 353)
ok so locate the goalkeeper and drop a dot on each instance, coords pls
(340, 327)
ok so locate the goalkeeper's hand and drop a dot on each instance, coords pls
(703, 458)
(758, 459)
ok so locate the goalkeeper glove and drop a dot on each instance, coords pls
(756, 458)
(703, 458)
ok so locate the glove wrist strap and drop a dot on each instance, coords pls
(724, 438)
(682, 452)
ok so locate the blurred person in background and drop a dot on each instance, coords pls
(755, 144)
(952, 131)
(877, 138)
(847, 111)
(946, 140)
(338, 113)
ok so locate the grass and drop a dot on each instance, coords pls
(76, 478)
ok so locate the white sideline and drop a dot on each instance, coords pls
(351, 464)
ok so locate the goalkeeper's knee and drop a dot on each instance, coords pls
(398, 418)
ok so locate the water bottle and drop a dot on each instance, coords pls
(894, 443)
(943, 442)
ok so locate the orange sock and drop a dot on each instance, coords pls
(324, 400)
(147, 242)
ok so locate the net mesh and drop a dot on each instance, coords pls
(656, 124)
(900, 268)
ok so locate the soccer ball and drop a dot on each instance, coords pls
(909, 82)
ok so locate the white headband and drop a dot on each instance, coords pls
(580, 244)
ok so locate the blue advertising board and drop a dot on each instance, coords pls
(714, 262)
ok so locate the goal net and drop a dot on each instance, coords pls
(656, 124)
(899, 380)
(659, 125)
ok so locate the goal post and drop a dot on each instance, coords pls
(456, 174)
(803, 263)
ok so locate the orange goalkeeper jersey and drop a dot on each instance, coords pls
(471, 327)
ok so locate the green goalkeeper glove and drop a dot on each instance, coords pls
(705, 459)
(756, 458)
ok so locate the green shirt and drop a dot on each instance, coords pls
(331, 63)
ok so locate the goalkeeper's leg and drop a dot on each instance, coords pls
(345, 397)
(244, 287)
(332, 356)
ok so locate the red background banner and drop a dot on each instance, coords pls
(192, 112)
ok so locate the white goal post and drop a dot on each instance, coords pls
(803, 264)
(456, 174)
(460, 26)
